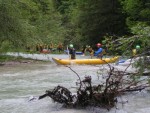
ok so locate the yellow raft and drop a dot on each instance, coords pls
(85, 61)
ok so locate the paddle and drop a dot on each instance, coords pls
(68, 51)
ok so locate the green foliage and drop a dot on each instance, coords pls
(124, 45)
(30, 22)
(14, 30)
(95, 19)
(45, 19)
(10, 24)
(143, 35)
(137, 11)
(4, 58)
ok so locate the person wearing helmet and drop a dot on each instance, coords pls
(98, 45)
(90, 50)
(99, 52)
(60, 47)
(71, 45)
(136, 50)
(72, 51)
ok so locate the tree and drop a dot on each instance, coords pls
(28, 22)
(12, 29)
(137, 11)
(94, 19)
(45, 19)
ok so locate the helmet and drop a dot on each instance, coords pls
(87, 46)
(71, 45)
(98, 45)
(137, 47)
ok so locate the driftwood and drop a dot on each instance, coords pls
(102, 95)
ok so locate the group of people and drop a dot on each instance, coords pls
(98, 53)
(46, 48)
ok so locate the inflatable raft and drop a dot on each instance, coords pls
(85, 61)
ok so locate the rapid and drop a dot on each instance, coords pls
(20, 82)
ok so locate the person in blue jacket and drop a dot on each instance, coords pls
(99, 52)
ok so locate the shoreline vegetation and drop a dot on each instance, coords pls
(6, 60)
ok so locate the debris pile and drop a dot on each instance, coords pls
(101, 95)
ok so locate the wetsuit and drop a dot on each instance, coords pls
(72, 53)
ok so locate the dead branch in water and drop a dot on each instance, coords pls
(102, 95)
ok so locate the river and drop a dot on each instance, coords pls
(20, 82)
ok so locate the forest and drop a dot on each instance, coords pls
(120, 25)
(81, 22)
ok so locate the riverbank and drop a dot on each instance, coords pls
(6, 60)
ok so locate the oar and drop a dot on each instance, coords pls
(68, 51)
